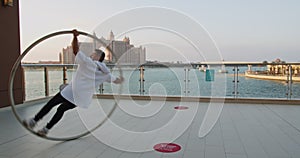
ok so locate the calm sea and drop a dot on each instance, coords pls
(169, 82)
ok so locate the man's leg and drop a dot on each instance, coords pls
(65, 106)
(57, 99)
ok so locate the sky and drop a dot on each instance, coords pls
(249, 30)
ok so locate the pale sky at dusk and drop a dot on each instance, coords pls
(250, 30)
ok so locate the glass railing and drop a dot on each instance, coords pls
(240, 80)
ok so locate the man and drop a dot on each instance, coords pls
(91, 73)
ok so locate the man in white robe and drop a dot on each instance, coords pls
(90, 74)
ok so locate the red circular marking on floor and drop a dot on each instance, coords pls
(167, 147)
(181, 107)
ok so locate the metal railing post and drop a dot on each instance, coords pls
(186, 80)
(289, 81)
(46, 80)
(235, 81)
(65, 75)
(101, 89)
(142, 80)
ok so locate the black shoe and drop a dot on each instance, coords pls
(43, 132)
(30, 123)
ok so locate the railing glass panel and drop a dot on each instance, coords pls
(239, 82)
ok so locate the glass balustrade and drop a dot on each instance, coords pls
(274, 81)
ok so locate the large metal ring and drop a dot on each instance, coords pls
(17, 64)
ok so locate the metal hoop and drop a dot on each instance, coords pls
(17, 64)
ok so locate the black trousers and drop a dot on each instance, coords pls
(64, 106)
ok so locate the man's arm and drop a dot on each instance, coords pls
(75, 45)
(102, 67)
(116, 80)
(119, 80)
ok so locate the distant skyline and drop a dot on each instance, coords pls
(243, 30)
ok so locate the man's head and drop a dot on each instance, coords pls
(98, 55)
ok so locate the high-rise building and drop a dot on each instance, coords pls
(116, 51)
(67, 55)
(126, 53)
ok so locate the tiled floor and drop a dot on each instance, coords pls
(243, 131)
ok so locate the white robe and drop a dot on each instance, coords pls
(87, 78)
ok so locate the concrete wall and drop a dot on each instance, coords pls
(9, 52)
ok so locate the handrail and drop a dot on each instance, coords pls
(45, 65)
(172, 64)
(247, 63)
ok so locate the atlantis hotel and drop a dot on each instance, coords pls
(122, 50)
